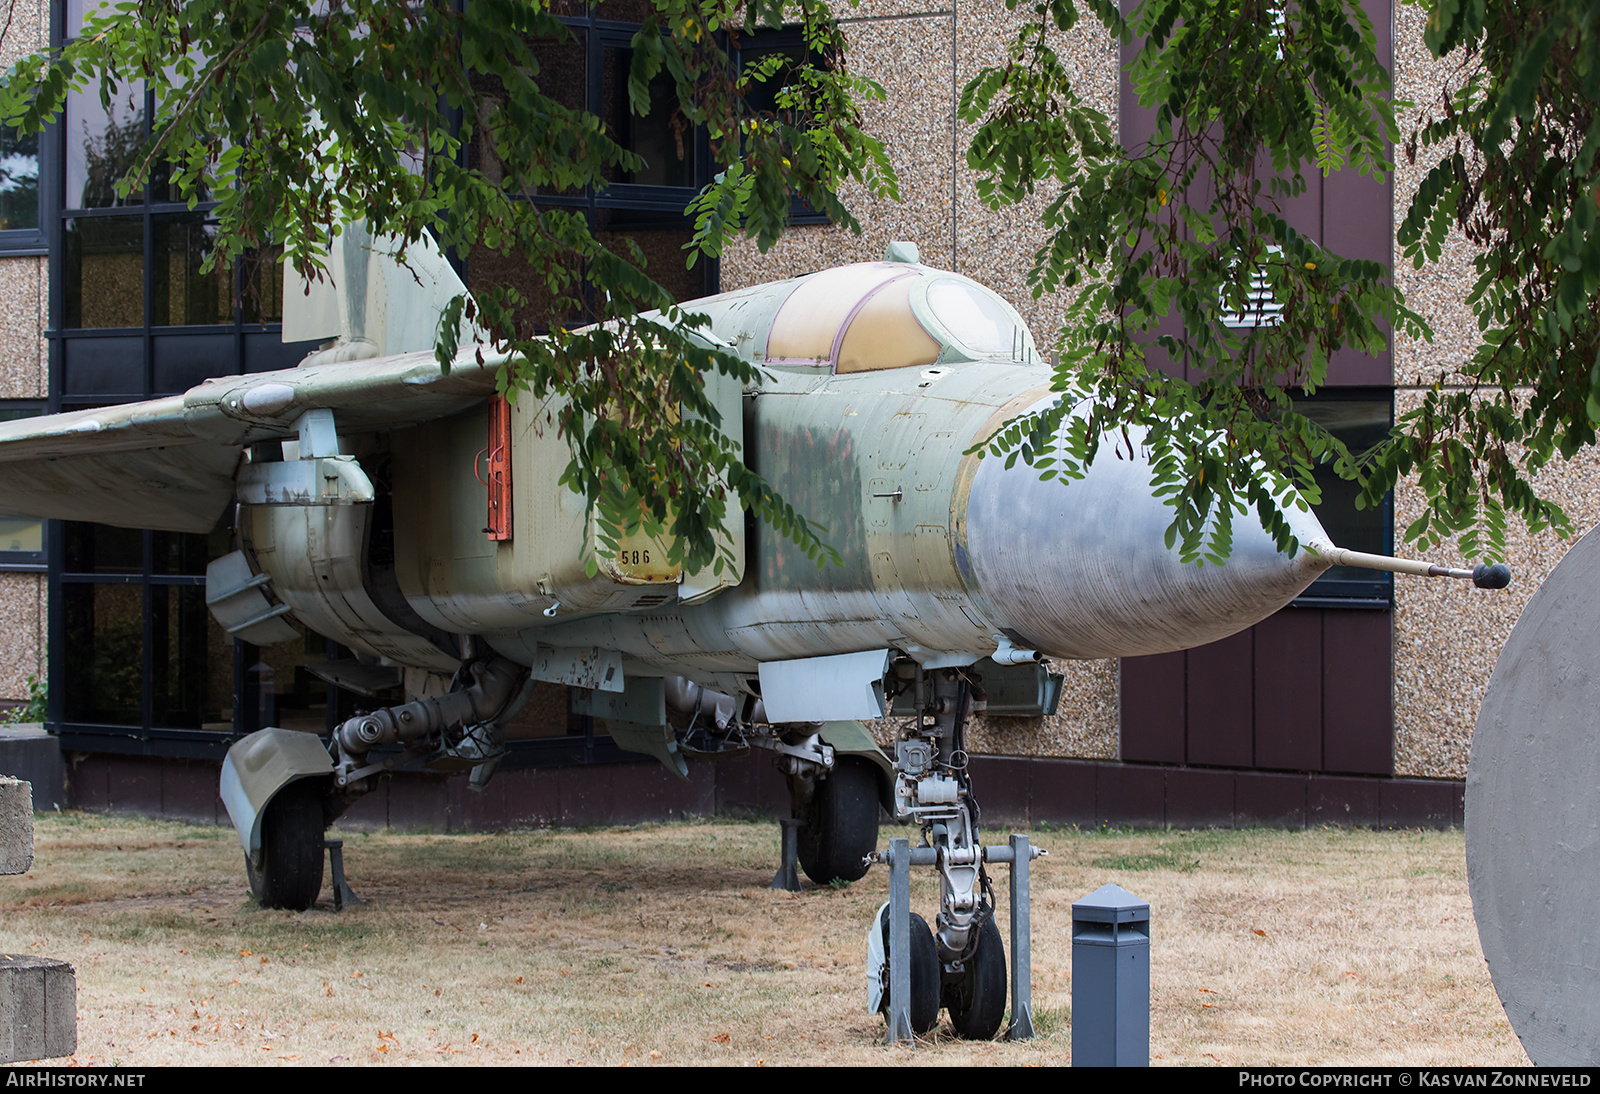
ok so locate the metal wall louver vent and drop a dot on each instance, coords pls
(1261, 308)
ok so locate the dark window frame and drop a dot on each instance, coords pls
(1370, 589)
(751, 48)
(34, 240)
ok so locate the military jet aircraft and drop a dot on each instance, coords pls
(960, 575)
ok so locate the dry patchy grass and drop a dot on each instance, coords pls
(662, 945)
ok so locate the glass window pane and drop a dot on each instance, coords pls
(23, 534)
(762, 95)
(102, 146)
(170, 92)
(563, 76)
(188, 553)
(105, 272)
(1360, 424)
(191, 662)
(105, 653)
(19, 180)
(262, 276)
(974, 316)
(183, 294)
(662, 137)
(885, 333)
(102, 549)
(79, 10)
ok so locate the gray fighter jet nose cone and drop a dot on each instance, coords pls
(1080, 569)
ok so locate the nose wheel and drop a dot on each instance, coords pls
(975, 995)
(923, 961)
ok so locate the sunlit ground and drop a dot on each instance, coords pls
(663, 945)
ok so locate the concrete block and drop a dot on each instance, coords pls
(16, 826)
(38, 1008)
(28, 753)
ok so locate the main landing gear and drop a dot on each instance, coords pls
(282, 788)
(835, 797)
(287, 871)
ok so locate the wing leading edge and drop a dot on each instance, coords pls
(170, 463)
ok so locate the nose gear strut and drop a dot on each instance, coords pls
(933, 788)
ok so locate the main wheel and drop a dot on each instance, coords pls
(841, 823)
(977, 1002)
(291, 848)
(924, 973)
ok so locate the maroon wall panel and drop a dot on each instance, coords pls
(1130, 795)
(1288, 690)
(1352, 215)
(1197, 798)
(1357, 704)
(1152, 701)
(1220, 691)
(1358, 222)
(1002, 786)
(1276, 801)
(1063, 792)
(1331, 799)
(1418, 803)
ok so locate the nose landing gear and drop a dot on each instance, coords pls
(932, 787)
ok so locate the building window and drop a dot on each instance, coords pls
(590, 72)
(139, 648)
(19, 192)
(763, 97)
(1360, 417)
(21, 538)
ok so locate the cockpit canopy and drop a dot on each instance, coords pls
(883, 315)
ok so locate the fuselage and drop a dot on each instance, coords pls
(878, 380)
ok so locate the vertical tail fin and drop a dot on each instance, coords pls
(370, 301)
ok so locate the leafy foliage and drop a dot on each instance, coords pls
(35, 709)
(1166, 249)
(298, 116)
(1513, 139)
(1171, 251)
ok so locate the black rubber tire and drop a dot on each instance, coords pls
(291, 849)
(841, 823)
(977, 1004)
(924, 973)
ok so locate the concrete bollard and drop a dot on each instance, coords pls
(1110, 979)
(38, 995)
(16, 826)
(38, 1008)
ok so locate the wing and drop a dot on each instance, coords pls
(170, 463)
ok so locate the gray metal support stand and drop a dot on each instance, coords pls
(342, 893)
(898, 1020)
(788, 876)
(900, 857)
(1021, 1028)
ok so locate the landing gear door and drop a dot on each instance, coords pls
(727, 395)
